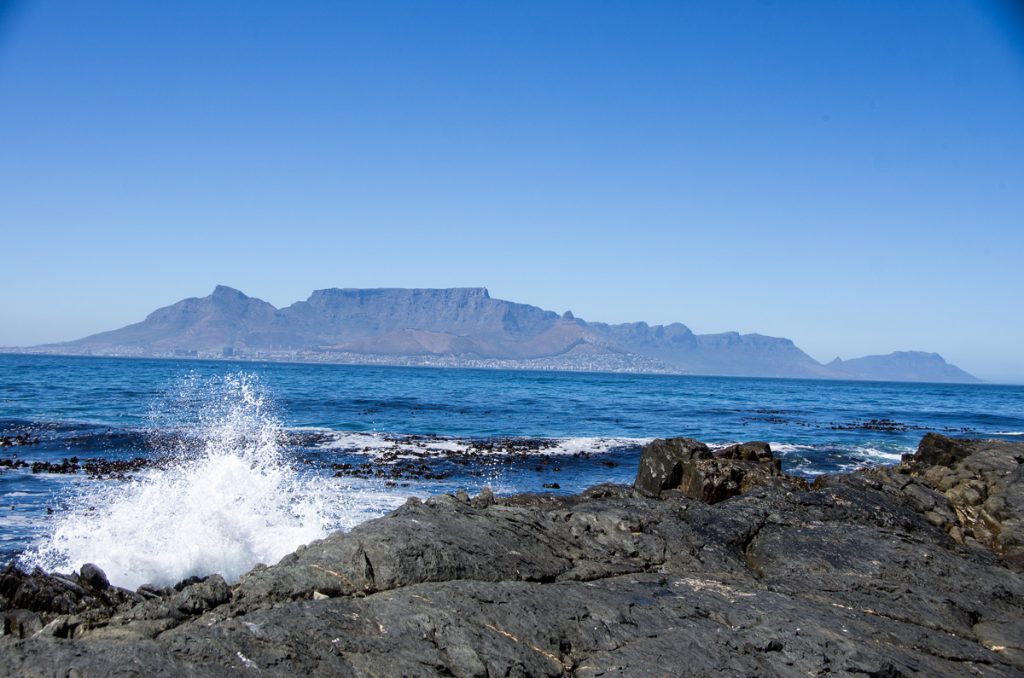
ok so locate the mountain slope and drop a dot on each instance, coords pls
(466, 324)
(903, 366)
(226, 317)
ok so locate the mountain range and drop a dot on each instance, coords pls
(466, 327)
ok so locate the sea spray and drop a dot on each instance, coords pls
(226, 500)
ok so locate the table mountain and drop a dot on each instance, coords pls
(468, 326)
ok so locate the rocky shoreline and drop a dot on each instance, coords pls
(712, 563)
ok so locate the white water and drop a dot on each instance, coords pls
(800, 458)
(222, 507)
(375, 443)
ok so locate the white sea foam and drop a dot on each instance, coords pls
(1007, 433)
(885, 456)
(789, 448)
(221, 507)
(777, 448)
(374, 443)
(594, 445)
(859, 451)
(802, 458)
(412, 445)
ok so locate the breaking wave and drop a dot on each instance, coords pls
(226, 500)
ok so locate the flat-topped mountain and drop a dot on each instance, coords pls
(466, 326)
(902, 366)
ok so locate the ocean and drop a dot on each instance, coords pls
(157, 470)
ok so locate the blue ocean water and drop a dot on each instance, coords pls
(276, 454)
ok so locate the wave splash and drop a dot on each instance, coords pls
(225, 502)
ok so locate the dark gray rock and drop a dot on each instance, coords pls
(203, 595)
(859, 574)
(980, 481)
(734, 470)
(753, 451)
(94, 577)
(52, 595)
(664, 461)
(937, 450)
(690, 466)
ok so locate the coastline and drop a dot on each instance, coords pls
(712, 563)
(485, 365)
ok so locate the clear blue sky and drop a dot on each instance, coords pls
(849, 174)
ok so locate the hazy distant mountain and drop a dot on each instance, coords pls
(902, 366)
(224, 318)
(467, 326)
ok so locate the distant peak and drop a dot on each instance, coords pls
(225, 291)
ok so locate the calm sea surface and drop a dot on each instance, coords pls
(273, 448)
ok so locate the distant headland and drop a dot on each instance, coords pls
(465, 327)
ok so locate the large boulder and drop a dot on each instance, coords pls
(94, 577)
(689, 466)
(937, 450)
(733, 471)
(664, 461)
(982, 482)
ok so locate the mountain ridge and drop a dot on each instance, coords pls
(466, 326)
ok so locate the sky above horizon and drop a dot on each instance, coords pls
(847, 174)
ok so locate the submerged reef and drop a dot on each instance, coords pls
(712, 563)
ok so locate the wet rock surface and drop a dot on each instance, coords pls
(913, 570)
(19, 440)
(96, 468)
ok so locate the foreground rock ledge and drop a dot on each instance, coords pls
(913, 570)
